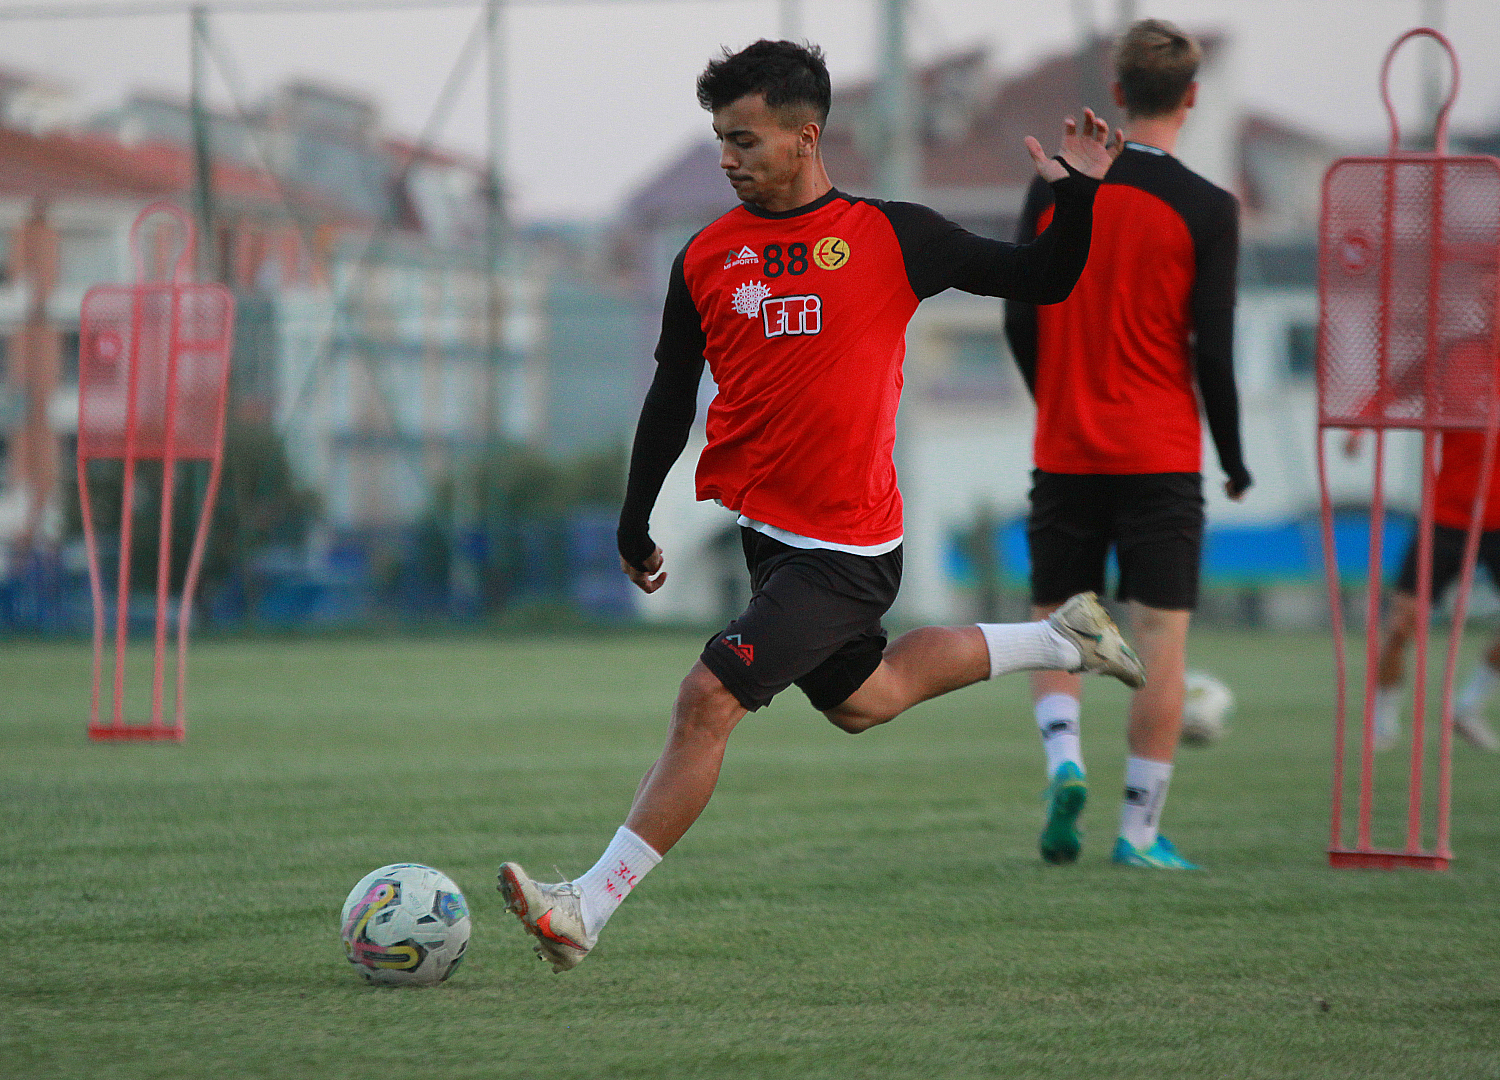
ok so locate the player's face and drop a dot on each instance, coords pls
(759, 153)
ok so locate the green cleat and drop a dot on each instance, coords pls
(1159, 856)
(1065, 796)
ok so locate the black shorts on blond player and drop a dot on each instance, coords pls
(1154, 522)
(1448, 559)
(813, 621)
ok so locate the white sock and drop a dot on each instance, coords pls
(1028, 646)
(1146, 785)
(1478, 689)
(1057, 717)
(1388, 711)
(619, 870)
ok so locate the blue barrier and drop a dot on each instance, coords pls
(1287, 552)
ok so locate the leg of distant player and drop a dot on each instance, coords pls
(1155, 724)
(1057, 696)
(1390, 671)
(1468, 705)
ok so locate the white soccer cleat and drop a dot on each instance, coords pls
(553, 914)
(1474, 730)
(1084, 622)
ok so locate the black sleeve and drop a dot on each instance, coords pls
(1213, 341)
(666, 416)
(941, 255)
(1020, 317)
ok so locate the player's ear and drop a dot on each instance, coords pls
(1118, 93)
(807, 139)
(1191, 97)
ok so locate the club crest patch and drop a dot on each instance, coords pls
(831, 252)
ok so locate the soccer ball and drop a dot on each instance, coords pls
(405, 925)
(1205, 709)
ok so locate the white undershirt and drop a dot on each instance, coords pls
(808, 543)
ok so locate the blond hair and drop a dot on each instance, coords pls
(1155, 63)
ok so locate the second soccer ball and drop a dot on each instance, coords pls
(1205, 709)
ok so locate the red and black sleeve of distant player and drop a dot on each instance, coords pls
(1212, 219)
(937, 254)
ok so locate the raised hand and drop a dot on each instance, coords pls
(1091, 150)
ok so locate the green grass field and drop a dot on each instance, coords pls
(847, 907)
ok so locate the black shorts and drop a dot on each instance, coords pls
(1448, 559)
(813, 620)
(1154, 521)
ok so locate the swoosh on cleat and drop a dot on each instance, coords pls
(544, 929)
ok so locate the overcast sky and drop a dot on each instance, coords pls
(601, 93)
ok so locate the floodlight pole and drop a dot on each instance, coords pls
(789, 25)
(203, 164)
(896, 174)
(495, 221)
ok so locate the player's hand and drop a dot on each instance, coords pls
(1090, 149)
(651, 578)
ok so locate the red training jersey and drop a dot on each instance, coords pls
(1458, 479)
(1116, 368)
(801, 317)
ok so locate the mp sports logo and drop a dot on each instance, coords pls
(740, 258)
(790, 316)
(743, 649)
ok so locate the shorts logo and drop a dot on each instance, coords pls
(740, 258)
(743, 649)
(789, 316)
(747, 298)
(830, 253)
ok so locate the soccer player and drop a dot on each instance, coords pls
(1117, 370)
(798, 300)
(1453, 495)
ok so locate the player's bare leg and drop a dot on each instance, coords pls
(1468, 704)
(1390, 671)
(678, 786)
(566, 917)
(917, 666)
(934, 660)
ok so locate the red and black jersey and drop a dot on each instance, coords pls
(1457, 480)
(801, 317)
(1161, 282)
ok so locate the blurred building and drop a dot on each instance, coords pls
(964, 451)
(371, 331)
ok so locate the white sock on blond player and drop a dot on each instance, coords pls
(619, 870)
(1388, 709)
(1146, 784)
(1057, 718)
(1477, 690)
(1028, 646)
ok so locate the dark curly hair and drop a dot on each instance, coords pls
(787, 74)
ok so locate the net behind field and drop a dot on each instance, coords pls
(1409, 254)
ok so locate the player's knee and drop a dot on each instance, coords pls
(853, 719)
(704, 705)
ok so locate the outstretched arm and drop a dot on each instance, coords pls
(662, 431)
(941, 255)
